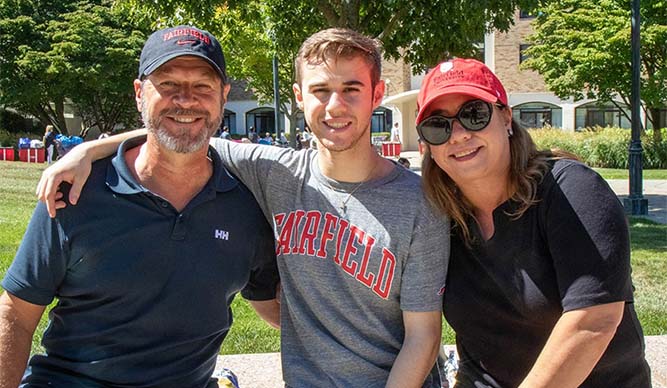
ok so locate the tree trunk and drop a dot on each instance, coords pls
(292, 111)
(655, 119)
(59, 119)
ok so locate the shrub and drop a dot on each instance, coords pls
(603, 147)
(11, 139)
(655, 154)
(15, 123)
(385, 135)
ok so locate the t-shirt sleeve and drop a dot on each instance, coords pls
(588, 239)
(264, 276)
(425, 271)
(40, 264)
(252, 164)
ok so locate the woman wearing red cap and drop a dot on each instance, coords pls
(538, 287)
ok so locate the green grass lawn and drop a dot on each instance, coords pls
(614, 173)
(250, 335)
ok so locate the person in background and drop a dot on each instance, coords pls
(252, 135)
(313, 139)
(404, 162)
(49, 143)
(359, 249)
(225, 133)
(146, 266)
(305, 138)
(299, 141)
(395, 134)
(267, 139)
(539, 292)
(282, 141)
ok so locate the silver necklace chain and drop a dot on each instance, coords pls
(343, 205)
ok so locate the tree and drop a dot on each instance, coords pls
(95, 50)
(26, 84)
(84, 53)
(251, 47)
(418, 31)
(582, 48)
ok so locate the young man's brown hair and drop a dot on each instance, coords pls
(336, 43)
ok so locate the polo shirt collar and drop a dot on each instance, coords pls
(120, 179)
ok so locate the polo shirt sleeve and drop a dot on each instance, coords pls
(588, 239)
(264, 276)
(425, 271)
(40, 264)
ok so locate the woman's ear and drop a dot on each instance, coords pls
(508, 116)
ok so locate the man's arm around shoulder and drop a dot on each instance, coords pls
(75, 169)
(18, 320)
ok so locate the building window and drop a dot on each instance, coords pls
(381, 120)
(522, 52)
(230, 121)
(603, 118)
(601, 115)
(536, 118)
(523, 14)
(538, 115)
(262, 119)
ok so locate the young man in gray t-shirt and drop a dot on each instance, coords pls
(362, 257)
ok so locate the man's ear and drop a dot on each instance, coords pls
(137, 93)
(297, 95)
(225, 91)
(378, 93)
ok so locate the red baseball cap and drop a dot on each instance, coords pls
(460, 76)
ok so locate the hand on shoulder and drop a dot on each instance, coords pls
(74, 168)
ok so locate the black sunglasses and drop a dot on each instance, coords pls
(474, 115)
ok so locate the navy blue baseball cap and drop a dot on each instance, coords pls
(169, 43)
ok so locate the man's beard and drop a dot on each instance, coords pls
(181, 141)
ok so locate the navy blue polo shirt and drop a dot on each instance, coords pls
(143, 290)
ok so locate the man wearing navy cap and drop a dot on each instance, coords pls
(145, 268)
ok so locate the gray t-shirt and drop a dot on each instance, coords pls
(346, 276)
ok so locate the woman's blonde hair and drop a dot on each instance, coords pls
(527, 168)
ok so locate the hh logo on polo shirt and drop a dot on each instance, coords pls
(221, 234)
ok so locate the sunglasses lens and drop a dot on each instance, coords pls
(435, 130)
(475, 115)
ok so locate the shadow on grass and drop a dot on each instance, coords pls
(649, 273)
(648, 235)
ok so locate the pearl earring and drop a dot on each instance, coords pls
(510, 132)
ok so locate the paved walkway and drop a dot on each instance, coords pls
(263, 370)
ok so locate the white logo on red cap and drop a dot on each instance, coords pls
(446, 66)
